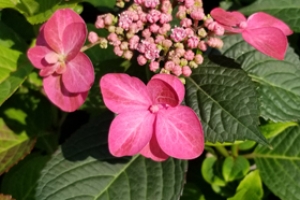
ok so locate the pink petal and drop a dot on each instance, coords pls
(261, 20)
(166, 89)
(79, 75)
(73, 39)
(174, 82)
(152, 150)
(179, 132)
(130, 132)
(227, 19)
(56, 26)
(37, 54)
(270, 41)
(47, 71)
(122, 93)
(59, 96)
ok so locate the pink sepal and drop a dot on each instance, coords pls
(261, 20)
(122, 93)
(152, 150)
(59, 96)
(179, 132)
(79, 75)
(270, 41)
(56, 26)
(130, 132)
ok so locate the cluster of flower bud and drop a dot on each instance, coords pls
(145, 30)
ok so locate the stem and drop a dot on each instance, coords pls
(88, 46)
(222, 150)
(235, 150)
(249, 156)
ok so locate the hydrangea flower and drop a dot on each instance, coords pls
(264, 32)
(67, 73)
(150, 119)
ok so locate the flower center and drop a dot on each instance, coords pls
(156, 107)
(58, 60)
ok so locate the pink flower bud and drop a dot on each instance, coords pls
(189, 3)
(133, 42)
(164, 29)
(169, 65)
(146, 33)
(197, 14)
(193, 42)
(179, 52)
(186, 71)
(198, 59)
(178, 34)
(166, 6)
(140, 2)
(124, 45)
(128, 54)
(93, 37)
(118, 51)
(153, 16)
(154, 66)
(165, 18)
(215, 42)
(177, 70)
(186, 22)
(141, 60)
(202, 46)
(159, 39)
(151, 3)
(167, 43)
(108, 19)
(154, 28)
(189, 55)
(99, 22)
(143, 17)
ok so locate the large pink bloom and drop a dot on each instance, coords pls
(264, 32)
(150, 119)
(67, 73)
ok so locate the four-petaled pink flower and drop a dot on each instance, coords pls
(67, 73)
(150, 119)
(264, 32)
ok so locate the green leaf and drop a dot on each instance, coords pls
(14, 68)
(212, 171)
(13, 147)
(9, 39)
(277, 80)
(191, 192)
(225, 99)
(282, 9)
(247, 145)
(235, 168)
(250, 188)
(103, 3)
(272, 129)
(21, 180)
(84, 169)
(279, 167)
(38, 11)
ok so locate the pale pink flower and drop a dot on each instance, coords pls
(125, 20)
(100, 22)
(167, 43)
(178, 34)
(141, 60)
(262, 31)
(150, 119)
(166, 6)
(169, 65)
(197, 14)
(193, 42)
(133, 42)
(154, 66)
(186, 71)
(154, 28)
(189, 3)
(128, 54)
(177, 70)
(118, 51)
(198, 59)
(108, 19)
(202, 46)
(153, 16)
(189, 55)
(186, 22)
(215, 42)
(151, 51)
(151, 3)
(67, 73)
(146, 33)
(165, 18)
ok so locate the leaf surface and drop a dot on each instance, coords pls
(84, 169)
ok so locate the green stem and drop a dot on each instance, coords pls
(249, 156)
(88, 46)
(235, 150)
(222, 150)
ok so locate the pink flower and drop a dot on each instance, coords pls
(186, 71)
(154, 66)
(150, 119)
(153, 16)
(262, 31)
(141, 60)
(178, 34)
(193, 42)
(67, 73)
(93, 37)
(189, 55)
(151, 3)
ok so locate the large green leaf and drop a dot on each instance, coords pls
(21, 180)
(9, 39)
(14, 68)
(225, 99)
(37, 11)
(13, 147)
(84, 169)
(278, 81)
(283, 9)
(250, 188)
(279, 167)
